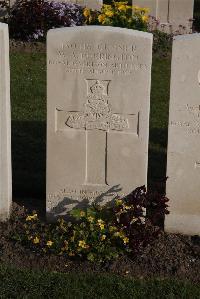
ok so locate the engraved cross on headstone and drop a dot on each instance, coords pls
(97, 120)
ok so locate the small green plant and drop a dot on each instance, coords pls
(118, 14)
(97, 233)
(162, 43)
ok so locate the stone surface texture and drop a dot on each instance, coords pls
(93, 4)
(175, 16)
(180, 14)
(5, 126)
(183, 165)
(98, 115)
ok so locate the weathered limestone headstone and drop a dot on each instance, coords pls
(174, 16)
(151, 4)
(5, 124)
(181, 15)
(93, 4)
(98, 114)
(183, 166)
(158, 8)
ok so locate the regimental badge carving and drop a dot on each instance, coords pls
(97, 112)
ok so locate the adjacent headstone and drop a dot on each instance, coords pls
(158, 8)
(174, 16)
(93, 4)
(5, 124)
(181, 15)
(183, 166)
(98, 115)
(151, 4)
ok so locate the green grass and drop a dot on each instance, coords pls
(28, 96)
(29, 284)
(159, 118)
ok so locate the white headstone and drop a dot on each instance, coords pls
(183, 166)
(181, 15)
(5, 126)
(174, 16)
(98, 114)
(158, 9)
(93, 4)
(151, 4)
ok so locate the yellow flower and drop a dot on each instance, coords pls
(146, 10)
(90, 219)
(145, 18)
(82, 214)
(122, 7)
(109, 13)
(135, 7)
(107, 7)
(112, 229)
(101, 18)
(101, 224)
(49, 243)
(90, 19)
(86, 12)
(82, 244)
(36, 240)
(31, 217)
(129, 7)
(125, 240)
(118, 202)
(103, 237)
(120, 3)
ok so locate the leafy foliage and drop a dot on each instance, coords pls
(162, 43)
(31, 19)
(97, 233)
(118, 14)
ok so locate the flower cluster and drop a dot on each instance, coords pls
(119, 14)
(92, 237)
(31, 19)
(96, 233)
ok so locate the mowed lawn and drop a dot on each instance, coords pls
(28, 97)
(28, 284)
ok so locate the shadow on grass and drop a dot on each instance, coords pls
(29, 163)
(157, 156)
